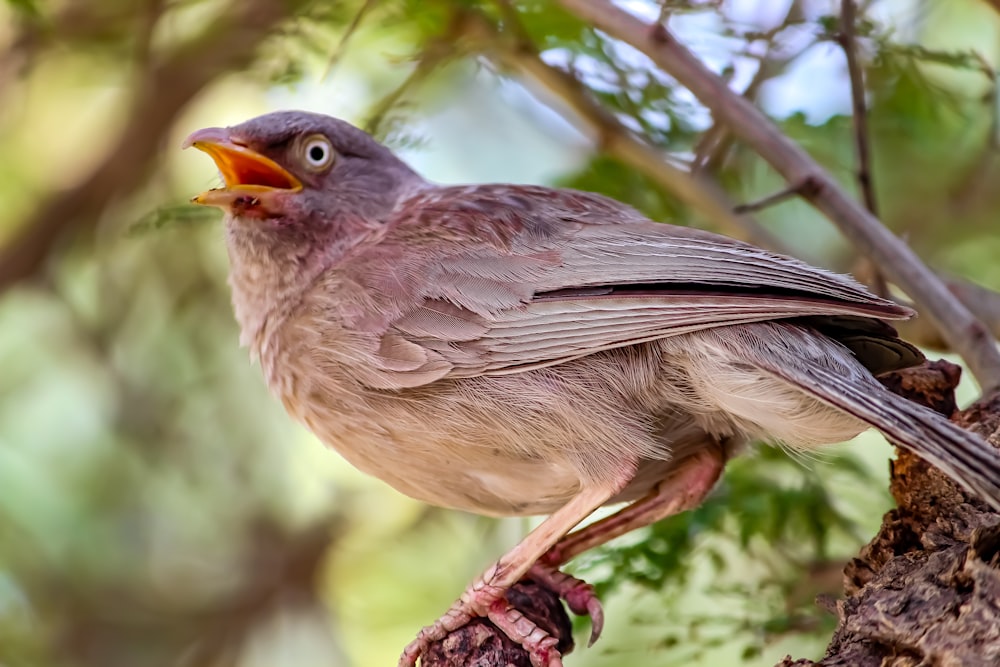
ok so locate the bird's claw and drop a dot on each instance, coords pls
(578, 594)
(491, 603)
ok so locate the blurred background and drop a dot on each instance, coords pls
(157, 508)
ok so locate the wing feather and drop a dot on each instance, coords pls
(503, 285)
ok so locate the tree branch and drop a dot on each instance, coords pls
(862, 144)
(701, 194)
(794, 190)
(862, 139)
(964, 333)
(995, 4)
(924, 590)
(714, 147)
(984, 304)
(164, 89)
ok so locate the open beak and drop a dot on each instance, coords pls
(250, 177)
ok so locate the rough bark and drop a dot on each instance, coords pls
(926, 589)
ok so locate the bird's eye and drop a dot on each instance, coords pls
(317, 152)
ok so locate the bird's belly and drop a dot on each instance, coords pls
(420, 467)
(502, 446)
(433, 466)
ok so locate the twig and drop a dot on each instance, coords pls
(433, 54)
(862, 143)
(965, 334)
(980, 172)
(341, 47)
(713, 148)
(148, 16)
(799, 189)
(229, 43)
(985, 303)
(19, 55)
(995, 4)
(701, 194)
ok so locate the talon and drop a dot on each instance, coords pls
(596, 613)
(579, 595)
(583, 602)
(542, 647)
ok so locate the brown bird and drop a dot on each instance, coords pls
(518, 350)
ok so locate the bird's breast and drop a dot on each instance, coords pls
(424, 445)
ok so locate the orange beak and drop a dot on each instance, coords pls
(248, 175)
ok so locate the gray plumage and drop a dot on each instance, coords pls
(504, 349)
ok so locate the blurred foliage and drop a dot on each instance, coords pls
(157, 508)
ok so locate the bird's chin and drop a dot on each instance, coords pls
(247, 201)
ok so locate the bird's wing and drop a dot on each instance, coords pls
(512, 279)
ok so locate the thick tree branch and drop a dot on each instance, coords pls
(164, 89)
(569, 96)
(924, 590)
(984, 304)
(995, 4)
(964, 333)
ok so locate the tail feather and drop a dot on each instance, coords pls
(964, 457)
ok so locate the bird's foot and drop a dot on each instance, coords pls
(484, 600)
(578, 594)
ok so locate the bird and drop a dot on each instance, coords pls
(515, 350)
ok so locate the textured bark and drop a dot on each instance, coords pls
(926, 589)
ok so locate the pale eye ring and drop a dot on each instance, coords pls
(317, 152)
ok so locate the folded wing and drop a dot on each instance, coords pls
(533, 277)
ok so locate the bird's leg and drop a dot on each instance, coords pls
(487, 596)
(683, 490)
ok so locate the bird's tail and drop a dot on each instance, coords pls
(964, 457)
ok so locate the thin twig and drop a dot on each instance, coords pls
(19, 55)
(432, 55)
(995, 4)
(862, 143)
(564, 91)
(341, 48)
(984, 304)
(147, 18)
(965, 334)
(714, 147)
(979, 174)
(785, 194)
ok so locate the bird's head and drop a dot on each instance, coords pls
(296, 168)
(299, 190)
